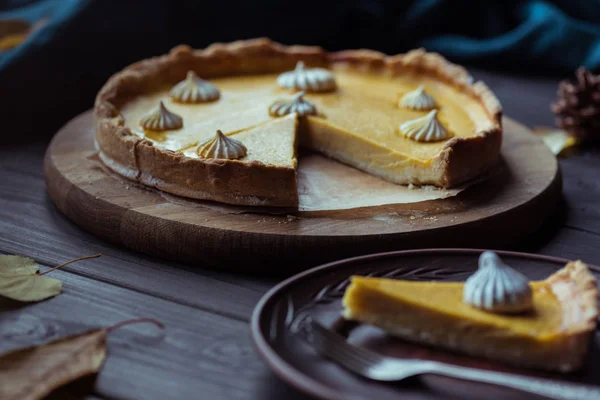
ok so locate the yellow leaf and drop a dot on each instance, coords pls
(9, 42)
(33, 372)
(557, 140)
(19, 279)
(13, 32)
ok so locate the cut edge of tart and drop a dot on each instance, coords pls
(231, 181)
(135, 157)
(498, 337)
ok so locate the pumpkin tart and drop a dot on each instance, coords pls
(412, 118)
(555, 334)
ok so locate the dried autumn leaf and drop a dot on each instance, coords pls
(19, 279)
(13, 32)
(33, 372)
(557, 140)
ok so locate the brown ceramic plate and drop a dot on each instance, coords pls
(317, 294)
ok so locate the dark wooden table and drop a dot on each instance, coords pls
(205, 351)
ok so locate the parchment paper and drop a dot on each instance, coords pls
(324, 184)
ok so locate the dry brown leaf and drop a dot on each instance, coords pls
(557, 140)
(19, 279)
(32, 373)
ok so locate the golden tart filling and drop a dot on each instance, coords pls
(362, 105)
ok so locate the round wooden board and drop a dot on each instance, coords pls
(505, 207)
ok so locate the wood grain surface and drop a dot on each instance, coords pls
(510, 204)
(123, 283)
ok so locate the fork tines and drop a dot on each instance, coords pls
(335, 346)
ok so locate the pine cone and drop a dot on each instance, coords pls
(577, 107)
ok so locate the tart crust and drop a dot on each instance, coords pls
(577, 290)
(460, 160)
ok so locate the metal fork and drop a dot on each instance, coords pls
(380, 368)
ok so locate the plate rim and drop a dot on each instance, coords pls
(304, 383)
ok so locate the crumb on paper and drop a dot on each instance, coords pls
(430, 188)
(386, 218)
(411, 186)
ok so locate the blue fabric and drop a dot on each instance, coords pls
(84, 41)
(56, 72)
(559, 35)
(541, 36)
(57, 13)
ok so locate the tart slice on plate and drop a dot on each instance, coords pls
(496, 313)
(412, 118)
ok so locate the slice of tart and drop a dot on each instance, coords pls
(553, 332)
(412, 118)
(264, 174)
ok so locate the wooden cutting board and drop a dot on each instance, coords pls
(509, 205)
